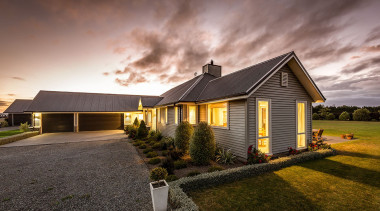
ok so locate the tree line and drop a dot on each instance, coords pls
(346, 113)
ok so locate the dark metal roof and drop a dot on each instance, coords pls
(52, 101)
(150, 101)
(18, 106)
(240, 82)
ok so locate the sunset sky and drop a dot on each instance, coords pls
(148, 47)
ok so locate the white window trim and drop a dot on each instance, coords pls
(196, 114)
(270, 124)
(301, 101)
(228, 116)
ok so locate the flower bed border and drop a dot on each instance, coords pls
(17, 137)
(177, 189)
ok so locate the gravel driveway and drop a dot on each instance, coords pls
(98, 175)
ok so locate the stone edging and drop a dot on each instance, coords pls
(17, 137)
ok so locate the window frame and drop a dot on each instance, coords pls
(159, 115)
(228, 116)
(305, 102)
(166, 115)
(176, 115)
(270, 123)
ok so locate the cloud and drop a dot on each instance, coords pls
(375, 48)
(119, 50)
(133, 78)
(374, 34)
(18, 78)
(361, 65)
(11, 95)
(4, 103)
(106, 73)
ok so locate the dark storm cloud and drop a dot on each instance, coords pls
(18, 78)
(133, 78)
(374, 35)
(361, 65)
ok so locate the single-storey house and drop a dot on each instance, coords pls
(268, 105)
(17, 112)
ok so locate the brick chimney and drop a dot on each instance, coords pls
(212, 69)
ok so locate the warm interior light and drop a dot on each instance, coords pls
(37, 120)
(263, 126)
(192, 115)
(301, 125)
(217, 114)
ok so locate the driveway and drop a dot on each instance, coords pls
(88, 175)
(68, 137)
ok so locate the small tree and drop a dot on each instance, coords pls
(158, 173)
(344, 116)
(183, 134)
(136, 123)
(330, 116)
(323, 112)
(142, 132)
(315, 116)
(361, 114)
(202, 144)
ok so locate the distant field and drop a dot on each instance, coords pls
(360, 129)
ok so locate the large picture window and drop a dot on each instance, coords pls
(193, 115)
(217, 114)
(301, 124)
(263, 125)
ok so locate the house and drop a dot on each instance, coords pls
(268, 105)
(16, 112)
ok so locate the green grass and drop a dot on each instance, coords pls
(9, 133)
(349, 180)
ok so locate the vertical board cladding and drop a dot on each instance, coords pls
(169, 128)
(234, 137)
(202, 116)
(283, 108)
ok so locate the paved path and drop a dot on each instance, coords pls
(335, 139)
(96, 175)
(9, 128)
(68, 137)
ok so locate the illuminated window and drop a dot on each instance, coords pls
(263, 141)
(176, 115)
(193, 115)
(166, 115)
(159, 115)
(128, 118)
(301, 125)
(149, 118)
(217, 114)
(37, 120)
(138, 115)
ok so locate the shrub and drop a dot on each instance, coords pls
(202, 145)
(158, 136)
(256, 156)
(292, 151)
(147, 150)
(157, 145)
(138, 143)
(24, 127)
(183, 134)
(151, 154)
(151, 134)
(132, 132)
(330, 116)
(171, 178)
(136, 123)
(158, 174)
(361, 114)
(224, 156)
(215, 168)
(344, 116)
(175, 154)
(142, 146)
(4, 124)
(180, 164)
(168, 164)
(315, 147)
(315, 116)
(169, 141)
(142, 131)
(164, 153)
(193, 173)
(154, 161)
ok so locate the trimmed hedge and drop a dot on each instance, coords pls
(17, 137)
(177, 189)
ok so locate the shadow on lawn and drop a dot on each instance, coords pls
(266, 192)
(345, 171)
(356, 154)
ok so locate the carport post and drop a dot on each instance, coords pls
(76, 122)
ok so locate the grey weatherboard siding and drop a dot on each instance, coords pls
(283, 102)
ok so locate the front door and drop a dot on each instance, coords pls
(301, 124)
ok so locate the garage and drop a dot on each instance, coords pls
(52, 123)
(92, 122)
(17, 119)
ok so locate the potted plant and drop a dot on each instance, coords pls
(159, 189)
(350, 136)
(343, 136)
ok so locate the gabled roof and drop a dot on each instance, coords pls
(150, 101)
(52, 101)
(18, 106)
(186, 92)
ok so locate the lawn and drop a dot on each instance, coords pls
(9, 133)
(349, 180)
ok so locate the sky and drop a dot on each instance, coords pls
(147, 47)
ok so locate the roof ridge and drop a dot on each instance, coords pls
(254, 65)
(100, 93)
(191, 87)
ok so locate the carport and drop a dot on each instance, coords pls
(16, 112)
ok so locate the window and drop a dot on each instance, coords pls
(217, 114)
(159, 115)
(149, 118)
(301, 124)
(263, 127)
(127, 119)
(175, 115)
(37, 120)
(166, 115)
(193, 115)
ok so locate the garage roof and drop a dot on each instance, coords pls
(53, 101)
(18, 106)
